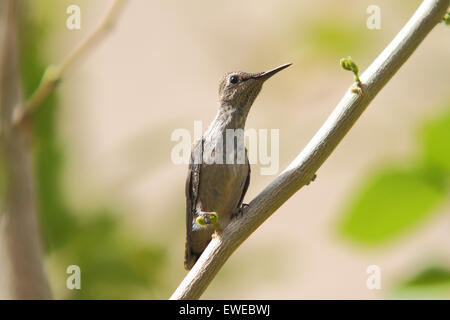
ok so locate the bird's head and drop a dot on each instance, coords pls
(239, 89)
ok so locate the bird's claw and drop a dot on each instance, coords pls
(312, 179)
(240, 211)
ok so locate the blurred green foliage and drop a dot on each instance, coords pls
(436, 144)
(433, 282)
(336, 38)
(430, 276)
(114, 262)
(392, 201)
(395, 199)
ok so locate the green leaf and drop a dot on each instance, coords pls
(390, 203)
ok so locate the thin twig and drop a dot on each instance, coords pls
(303, 168)
(53, 74)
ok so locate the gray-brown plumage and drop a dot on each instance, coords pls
(219, 171)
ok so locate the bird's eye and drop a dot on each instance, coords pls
(234, 79)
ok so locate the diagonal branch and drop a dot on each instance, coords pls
(53, 74)
(303, 168)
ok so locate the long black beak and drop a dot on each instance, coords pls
(267, 74)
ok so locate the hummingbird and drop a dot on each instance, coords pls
(219, 170)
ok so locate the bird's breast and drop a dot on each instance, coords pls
(221, 187)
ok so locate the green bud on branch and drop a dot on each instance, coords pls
(350, 65)
(206, 218)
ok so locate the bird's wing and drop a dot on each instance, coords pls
(247, 182)
(191, 191)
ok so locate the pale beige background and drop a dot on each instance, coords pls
(159, 71)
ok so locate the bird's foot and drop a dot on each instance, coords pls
(206, 218)
(240, 211)
(312, 179)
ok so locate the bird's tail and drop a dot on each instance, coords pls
(196, 243)
(189, 259)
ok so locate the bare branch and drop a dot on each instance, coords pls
(303, 168)
(19, 221)
(53, 74)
